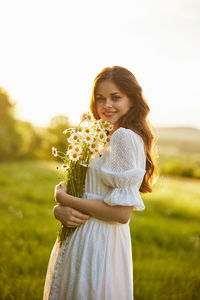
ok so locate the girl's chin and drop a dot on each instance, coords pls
(109, 119)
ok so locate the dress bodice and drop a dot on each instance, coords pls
(94, 186)
(116, 173)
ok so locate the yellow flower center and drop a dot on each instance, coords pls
(108, 140)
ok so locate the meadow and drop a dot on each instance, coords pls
(165, 236)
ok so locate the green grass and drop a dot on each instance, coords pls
(165, 236)
(166, 241)
(27, 229)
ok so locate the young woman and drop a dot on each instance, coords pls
(96, 262)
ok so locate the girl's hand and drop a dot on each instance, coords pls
(70, 217)
(59, 189)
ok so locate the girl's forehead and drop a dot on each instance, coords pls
(107, 86)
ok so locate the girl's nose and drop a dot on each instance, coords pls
(108, 103)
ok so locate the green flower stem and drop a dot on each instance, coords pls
(75, 180)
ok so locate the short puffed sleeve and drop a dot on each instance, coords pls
(123, 169)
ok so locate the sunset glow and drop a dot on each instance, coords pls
(52, 50)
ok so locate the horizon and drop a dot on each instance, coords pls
(75, 121)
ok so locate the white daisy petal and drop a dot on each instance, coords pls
(54, 152)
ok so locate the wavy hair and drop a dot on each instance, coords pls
(135, 119)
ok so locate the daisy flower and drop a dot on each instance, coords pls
(86, 116)
(102, 136)
(69, 130)
(94, 140)
(93, 147)
(74, 138)
(98, 124)
(74, 148)
(54, 151)
(107, 125)
(78, 149)
(110, 127)
(70, 147)
(108, 139)
(87, 130)
(87, 139)
(74, 156)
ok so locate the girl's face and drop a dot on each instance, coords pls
(111, 103)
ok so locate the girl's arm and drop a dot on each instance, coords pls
(95, 208)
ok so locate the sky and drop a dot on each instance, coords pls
(51, 51)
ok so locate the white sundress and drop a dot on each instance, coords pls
(95, 263)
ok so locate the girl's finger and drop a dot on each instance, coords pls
(73, 224)
(77, 220)
(80, 215)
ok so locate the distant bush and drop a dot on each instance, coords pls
(31, 141)
(55, 132)
(179, 169)
(10, 138)
(20, 139)
(38, 142)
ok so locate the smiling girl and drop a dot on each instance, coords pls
(96, 262)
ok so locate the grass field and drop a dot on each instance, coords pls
(179, 151)
(165, 236)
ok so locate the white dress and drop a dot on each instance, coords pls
(96, 262)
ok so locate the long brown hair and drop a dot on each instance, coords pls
(135, 119)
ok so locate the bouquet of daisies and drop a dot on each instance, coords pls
(82, 143)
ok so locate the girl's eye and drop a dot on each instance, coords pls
(100, 99)
(115, 98)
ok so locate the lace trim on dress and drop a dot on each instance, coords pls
(55, 285)
(128, 196)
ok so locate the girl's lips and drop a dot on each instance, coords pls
(109, 114)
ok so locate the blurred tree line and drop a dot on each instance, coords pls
(20, 139)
